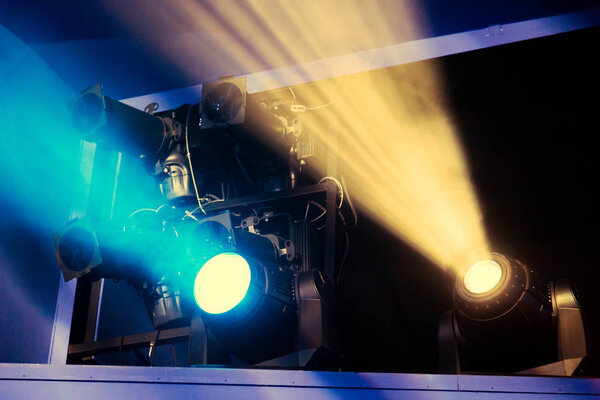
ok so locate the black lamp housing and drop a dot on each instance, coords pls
(511, 328)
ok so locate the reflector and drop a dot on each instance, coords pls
(222, 283)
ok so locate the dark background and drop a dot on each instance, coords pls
(527, 115)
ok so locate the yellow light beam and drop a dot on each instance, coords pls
(398, 149)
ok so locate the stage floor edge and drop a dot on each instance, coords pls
(43, 381)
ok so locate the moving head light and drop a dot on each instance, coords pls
(102, 119)
(507, 317)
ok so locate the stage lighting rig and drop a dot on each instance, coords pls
(214, 262)
(508, 318)
(215, 275)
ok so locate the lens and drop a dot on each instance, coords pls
(223, 103)
(76, 248)
(87, 112)
(483, 276)
(222, 283)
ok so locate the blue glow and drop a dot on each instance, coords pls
(222, 283)
(49, 174)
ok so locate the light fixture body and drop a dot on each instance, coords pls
(262, 325)
(77, 251)
(283, 323)
(99, 118)
(516, 286)
(509, 328)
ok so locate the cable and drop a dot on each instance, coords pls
(304, 108)
(189, 157)
(146, 209)
(239, 162)
(174, 354)
(339, 185)
(308, 204)
(354, 213)
(189, 214)
(210, 201)
(347, 248)
(322, 105)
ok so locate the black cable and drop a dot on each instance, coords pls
(242, 168)
(153, 345)
(174, 354)
(121, 349)
(349, 201)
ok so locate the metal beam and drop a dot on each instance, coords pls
(30, 381)
(388, 56)
(125, 343)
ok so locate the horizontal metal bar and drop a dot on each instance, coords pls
(267, 197)
(88, 382)
(129, 342)
(227, 376)
(387, 56)
(528, 384)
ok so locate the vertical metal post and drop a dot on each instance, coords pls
(96, 198)
(330, 222)
(63, 314)
(331, 200)
(59, 341)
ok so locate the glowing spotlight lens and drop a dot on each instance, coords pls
(483, 277)
(222, 283)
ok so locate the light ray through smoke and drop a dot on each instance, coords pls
(398, 149)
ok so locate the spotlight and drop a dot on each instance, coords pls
(77, 251)
(240, 281)
(237, 294)
(483, 277)
(492, 287)
(246, 284)
(222, 283)
(505, 319)
(81, 249)
(222, 104)
(227, 108)
(100, 118)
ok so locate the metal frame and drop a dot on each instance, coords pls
(82, 342)
(29, 381)
(71, 323)
(131, 342)
(61, 330)
(321, 69)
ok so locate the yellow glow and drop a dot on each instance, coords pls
(390, 130)
(483, 276)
